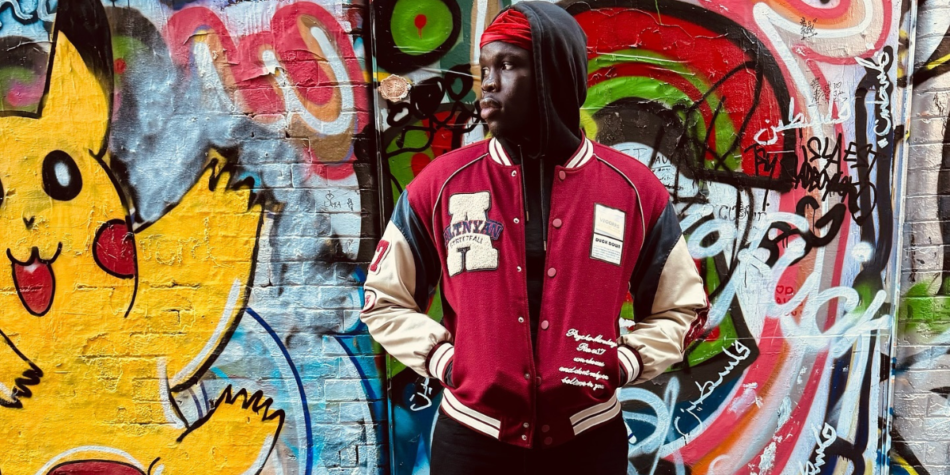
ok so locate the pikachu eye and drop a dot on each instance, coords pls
(61, 178)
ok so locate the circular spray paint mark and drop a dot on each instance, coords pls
(413, 33)
(420, 26)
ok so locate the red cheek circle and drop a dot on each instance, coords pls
(114, 249)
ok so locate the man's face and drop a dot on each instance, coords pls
(508, 92)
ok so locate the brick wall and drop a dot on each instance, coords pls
(921, 410)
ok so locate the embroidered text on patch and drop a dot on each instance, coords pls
(589, 349)
(469, 237)
(607, 242)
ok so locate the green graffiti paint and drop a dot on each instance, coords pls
(14, 78)
(401, 166)
(656, 90)
(420, 26)
(923, 315)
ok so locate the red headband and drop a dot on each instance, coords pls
(511, 27)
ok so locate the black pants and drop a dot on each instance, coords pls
(458, 450)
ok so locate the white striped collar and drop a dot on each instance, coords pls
(497, 153)
(580, 157)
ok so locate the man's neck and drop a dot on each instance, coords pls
(530, 147)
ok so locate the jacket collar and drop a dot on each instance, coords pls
(581, 156)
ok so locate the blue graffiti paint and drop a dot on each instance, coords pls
(297, 380)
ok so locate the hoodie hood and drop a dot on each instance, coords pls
(559, 51)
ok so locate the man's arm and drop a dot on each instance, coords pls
(401, 278)
(669, 303)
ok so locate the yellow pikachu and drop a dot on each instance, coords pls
(100, 326)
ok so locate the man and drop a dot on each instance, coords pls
(536, 236)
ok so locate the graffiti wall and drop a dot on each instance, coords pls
(190, 191)
(186, 194)
(922, 383)
(778, 129)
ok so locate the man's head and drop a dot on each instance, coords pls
(534, 75)
(509, 102)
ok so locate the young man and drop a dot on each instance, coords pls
(536, 236)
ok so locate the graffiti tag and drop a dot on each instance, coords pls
(706, 389)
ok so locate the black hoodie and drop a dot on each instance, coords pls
(559, 53)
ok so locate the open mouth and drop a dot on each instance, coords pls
(34, 281)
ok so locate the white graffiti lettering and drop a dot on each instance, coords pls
(881, 65)
(424, 393)
(753, 280)
(706, 389)
(828, 436)
(797, 121)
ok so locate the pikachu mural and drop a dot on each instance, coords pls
(101, 327)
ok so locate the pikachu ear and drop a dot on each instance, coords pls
(78, 96)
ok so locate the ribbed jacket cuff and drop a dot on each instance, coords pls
(438, 360)
(630, 362)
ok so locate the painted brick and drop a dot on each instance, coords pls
(912, 405)
(340, 297)
(927, 131)
(343, 390)
(923, 157)
(348, 456)
(372, 453)
(345, 224)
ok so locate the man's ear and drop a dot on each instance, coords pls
(78, 98)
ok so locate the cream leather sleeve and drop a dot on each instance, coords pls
(392, 309)
(679, 307)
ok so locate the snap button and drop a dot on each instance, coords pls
(562, 175)
(545, 325)
(545, 428)
(516, 220)
(515, 173)
(552, 272)
(519, 268)
(548, 441)
(520, 319)
(557, 223)
(524, 437)
(525, 425)
(527, 376)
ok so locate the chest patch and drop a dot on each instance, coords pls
(469, 236)
(607, 242)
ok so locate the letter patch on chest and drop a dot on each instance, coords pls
(607, 243)
(469, 237)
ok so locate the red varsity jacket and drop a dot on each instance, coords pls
(611, 229)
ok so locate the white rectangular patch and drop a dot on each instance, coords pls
(607, 243)
(606, 249)
(609, 222)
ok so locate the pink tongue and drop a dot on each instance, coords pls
(35, 285)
